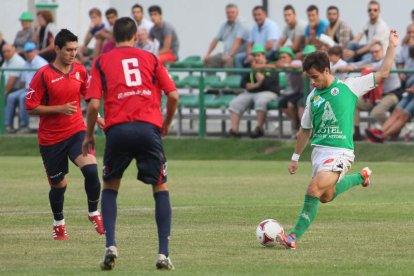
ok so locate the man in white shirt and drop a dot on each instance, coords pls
(293, 35)
(138, 15)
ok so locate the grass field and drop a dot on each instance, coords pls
(216, 208)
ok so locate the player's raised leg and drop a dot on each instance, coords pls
(350, 181)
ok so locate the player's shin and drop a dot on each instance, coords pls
(163, 219)
(92, 186)
(347, 183)
(56, 199)
(306, 216)
(109, 213)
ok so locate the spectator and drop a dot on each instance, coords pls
(11, 60)
(2, 43)
(261, 88)
(234, 35)
(165, 33)
(44, 35)
(265, 32)
(25, 34)
(18, 98)
(337, 29)
(391, 90)
(293, 35)
(405, 59)
(106, 34)
(95, 27)
(147, 44)
(138, 15)
(336, 61)
(302, 102)
(315, 27)
(375, 30)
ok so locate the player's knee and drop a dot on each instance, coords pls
(90, 172)
(58, 182)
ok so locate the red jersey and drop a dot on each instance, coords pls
(131, 82)
(50, 87)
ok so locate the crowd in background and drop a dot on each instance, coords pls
(261, 46)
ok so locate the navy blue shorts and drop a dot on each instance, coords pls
(135, 140)
(55, 157)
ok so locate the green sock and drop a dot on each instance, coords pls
(306, 216)
(347, 183)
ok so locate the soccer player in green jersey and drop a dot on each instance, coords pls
(328, 123)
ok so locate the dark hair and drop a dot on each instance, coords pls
(317, 60)
(335, 50)
(155, 8)
(312, 8)
(63, 37)
(124, 29)
(259, 8)
(47, 15)
(333, 8)
(289, 7)
(95, 11)
(137, 6)
(111, 11)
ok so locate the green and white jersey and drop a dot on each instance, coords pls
(330, 111)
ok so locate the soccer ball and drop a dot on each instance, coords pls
(267, 231)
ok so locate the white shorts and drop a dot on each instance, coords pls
(331, 160)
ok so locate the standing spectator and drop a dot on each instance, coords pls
(2, 43)
(25, 34)
(96, 26)
(261, 88)
(315, 27)
(165, 33)
(375, 30)
(18, 98)
(11, 60)
(44, 35)
(54, 94)
(147, 44)
(336, 61)
(337, 29)
(134, 126)
(234, 36)
(265, 32)
(293, 35)
(138, 15)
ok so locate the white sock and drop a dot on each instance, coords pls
(58, 222)
(94, 213)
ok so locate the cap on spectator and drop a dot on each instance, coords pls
(26, 16)
(258, 49)
(309, 49)
(287, 50)
(327, 40)
(29, 46)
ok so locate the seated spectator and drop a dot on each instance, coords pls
(261, 88)
(25, 34)
(11, 60)
(106, 34)
(165, 33)
(265, 32)
(315, 27)
(234, 36)
(335, 58)
(44, 35)
(293, 35)
(337, 29)
(2, 43)
(95, 27)
(147, 44)
(406, 37)
(138, 15)
(18, 98)
(391, 90)
(302, 102)
(405, 58)
(375, 30)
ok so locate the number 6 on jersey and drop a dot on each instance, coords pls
(129, 72)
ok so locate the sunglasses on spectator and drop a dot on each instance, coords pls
(372, 10)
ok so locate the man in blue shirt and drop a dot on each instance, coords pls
(315, 27)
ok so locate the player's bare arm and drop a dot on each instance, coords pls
(91, 117)
(388, 62)
(172, 102)
(301, 142)
(69, 109)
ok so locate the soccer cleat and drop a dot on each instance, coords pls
(374, 135)
(289, 242)
(59, 232)
(164, 262)
(365, 172)
(97, 222)
(108, 262)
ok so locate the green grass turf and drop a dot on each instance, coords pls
(216, 208)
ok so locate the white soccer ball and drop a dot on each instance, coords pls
(267, 231)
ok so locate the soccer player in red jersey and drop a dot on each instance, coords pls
(131, 82)
(54, 94)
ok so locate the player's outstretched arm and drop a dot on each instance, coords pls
(301, 141)
(172, 102)
(91, 117)
(388, 62)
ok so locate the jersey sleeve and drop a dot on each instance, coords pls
(306, 121)
(164, 79)
(37, 89)
(94, 83)
(361, 85)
